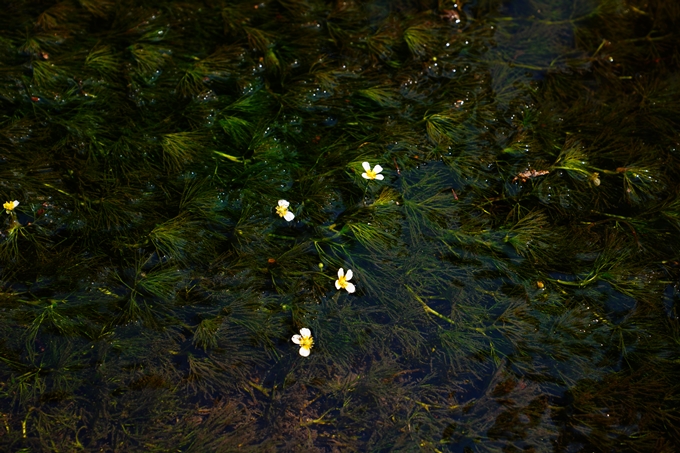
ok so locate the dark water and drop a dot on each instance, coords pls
(515, 272)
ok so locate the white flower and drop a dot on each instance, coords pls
(342, 281)
(372, 174)
(305, 341)
(10, 205)
(282, 210)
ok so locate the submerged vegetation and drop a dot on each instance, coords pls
(186, 186)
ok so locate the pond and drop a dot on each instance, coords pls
(336, 226)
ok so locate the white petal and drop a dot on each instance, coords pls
(366, 166)
(304, 352)
(350, 288)
(341, 272)
(289, 216)
(349, 274)
(16, 203)
(284, 203)
(337, 284)
(379, 177)
(296, 339)
(377, 169)
(365, 175)
(305, 332)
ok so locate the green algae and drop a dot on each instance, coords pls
(516, 270)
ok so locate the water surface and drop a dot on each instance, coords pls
(515, 270)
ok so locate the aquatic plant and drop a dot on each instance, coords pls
(500, 177)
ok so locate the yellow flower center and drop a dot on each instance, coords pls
(306, 342)
(9, 205)
(281, 210)
(342, 282)
(371, 175)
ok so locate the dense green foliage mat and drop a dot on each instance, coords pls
(515, 270)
